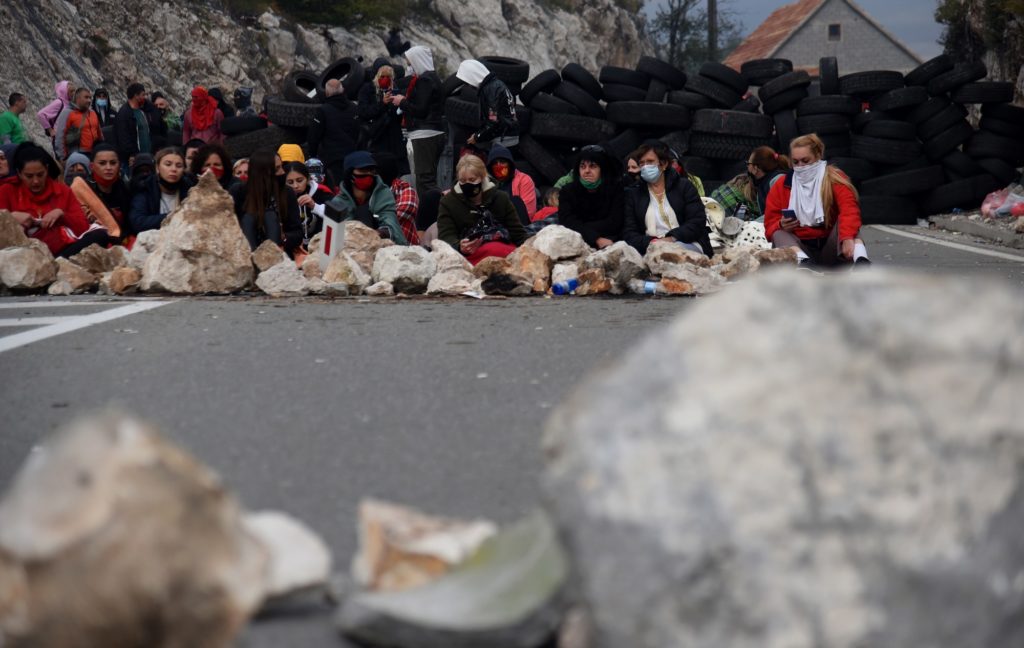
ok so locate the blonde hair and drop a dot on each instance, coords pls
(472, 163)
(833, 174)
(384, 70)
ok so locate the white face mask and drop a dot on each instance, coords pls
(650, 172)
(809, 172)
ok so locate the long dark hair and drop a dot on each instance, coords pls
(32, 152)
(262, 186)
(204, 153)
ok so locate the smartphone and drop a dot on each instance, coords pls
(788, 213)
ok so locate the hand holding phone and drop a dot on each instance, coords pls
(789, 213)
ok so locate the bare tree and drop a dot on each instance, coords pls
(681, 31)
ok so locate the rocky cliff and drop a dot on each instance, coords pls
(172, 45)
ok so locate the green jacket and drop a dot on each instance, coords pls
(382, 205)
(454, 217)
(11, 130)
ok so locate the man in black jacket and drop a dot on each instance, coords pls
(334, 130)
(131, 126)
(423, 110)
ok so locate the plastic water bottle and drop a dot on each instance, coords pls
(741, 213)
(641, 287)
(565, 287)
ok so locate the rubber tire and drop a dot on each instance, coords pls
(677, 141)
(617, 92)
(784, 83)
(891, 129)
(785, 128)
(861, 120)
(722, 96)
(888, 210)
(900, 100)
(577, 96)
(1013, 130)
(545, 103)
(928, 109)
(949, 117)
(579, 75)
(749, 104)
(871, 83)
(724, 147)
(549, 166)
(625, 143)
(271, 138)
(905, 183)
(789, 99)
(984, 144)
(643, 114)
(698, 166)
(546, 81)
(883, 151)
(822, 124)
(961, 164)
(352, 80)
(574, 129)
(462, 113)
(984, 92)
(239, 125)
(289, 113)
(960, 75)
(856, 169)
(942, 144)
(725, 75)
(450, 86)
(922, 74)
(828, 75)
(1001, 170)
(828, 105)
(298, 84)
(760, 71)
(611, 75)
(513, 71)
(656, 92)
(691, 100)
(731, 122)
(949, 196)
(657, 69)
(1004, 112)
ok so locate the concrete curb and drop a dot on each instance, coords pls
(965, 224)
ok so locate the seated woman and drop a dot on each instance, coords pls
(592, 203)
(267, 210)
(46, 209)
(311, 196)
(215, 159)
(766, 167)
(477, 218)
(364, 197)
(512, 181)
(407, 200)
(667, 207)
(738, 198)
(822, 215)
(160, 193)
(549, 199)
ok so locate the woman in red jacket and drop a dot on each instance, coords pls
(815, 210)
(47, 209)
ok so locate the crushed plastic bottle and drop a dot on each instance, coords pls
(565, 287)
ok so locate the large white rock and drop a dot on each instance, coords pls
(344, 269)
(201, 247)
(29, 267)
(448, 258)
(78, 279)
(267, 255)
(12, 234)
(620, 262)
(451, 282)
(283, 280)
(850, 475)
(559, 243)
(407, 268)
(299, 558)
(145, 243)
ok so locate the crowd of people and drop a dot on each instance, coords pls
(108, 175)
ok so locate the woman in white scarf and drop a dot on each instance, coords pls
(816, 210)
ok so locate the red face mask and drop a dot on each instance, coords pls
(500, 170)
(244, 177)
(384, 82)
(363, 183)
(217, 173)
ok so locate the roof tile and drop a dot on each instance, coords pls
(772, 32)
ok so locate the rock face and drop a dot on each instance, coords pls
(559, 243)
(29, 267)
(283, 280)
(820, 500)
(11, 232)
(201, 247)
(407, 268)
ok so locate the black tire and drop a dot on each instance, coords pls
(545, 103)
(691, 100)
(720, 95)
(724, 147)
(1014, 130)
(788, 99)
(786, 129)
(289, 113)
(525, 118)
(870, 84)
(962, 74)
(837, 144)
(698, 166)
(891, 129)
(1004, 112)
(905, 183)
(1001, 170)
(949, 116)
(888, 210)
(861, 120)
(928, 70)
(301, 87)
(984, 185)
(351, 73)
(856, 169)
(546, 81)
(823, 124)
(513, 71)
(611, 75)
(828, 73)
(549, 166)
(900, 99)
(238, 125)
(961, 164)
(580, 98)
(654, 68)
(244, 145)
(828, 105)
(573, 129)
(656, 91)
(677, 141)
(928, 109)
(939, 146)
(625, 143)
(642, 114)
(984, 92)
(784, 83)
(725, 75)
(579, 75)
(728, 169)
(450, 86)
(883, 151)
(761, 71)
(731, 122)
(750, 104)
(949, 196)
(989, 145)
(616, 92)
(462, 113)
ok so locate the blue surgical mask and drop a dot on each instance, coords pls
(650, 172)
(101, 103)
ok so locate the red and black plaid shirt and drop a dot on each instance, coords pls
(407, 203)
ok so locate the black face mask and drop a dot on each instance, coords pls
(470, 189)
(632, 176)
(169, 186)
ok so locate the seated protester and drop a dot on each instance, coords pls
(550, 200)
(476, 218)
(46, 209)
(511, 180)
(766, 167)
(631, 178)
(667, 208)
(736, 194)
(143, 166)
(161, 193)
(318, 173)
(497, 105)
(291, 153)
(7, 174)
(202, 119)
(407, 200)
(267, 210)
(311, 196)
(77, 166)
(823, 221)
(105, 181)
(241, 169)
(364, 197)
(592, 203)
(216, 160)
(426, 215)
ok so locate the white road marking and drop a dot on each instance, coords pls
(51, 304)
(31, 321)
(956, 246)
(68, 324)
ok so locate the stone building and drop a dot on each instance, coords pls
(808, 30)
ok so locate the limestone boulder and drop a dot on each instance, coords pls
(122, 281)
(448, 258)
(299, 560)
(492, 266)
(78, 279)
(380, 289)
(407, 268)
(27, 268)
(12, 234)
(740, 265)
(777, 256)
(312, 267)
(362, 243)
(283, 280)
(593, 282)
(664, 258)
(268, 255)
(563, 272)
(145, 243)
(344, 269)
(620, 262)
(454, 281)
(534, 264)
(97, 259)
(512, 284)
(766, 499)
(559, 243)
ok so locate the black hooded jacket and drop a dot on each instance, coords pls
(333, 131)
(423, 106)
(685, 202)
(598, 213)
(497, 110)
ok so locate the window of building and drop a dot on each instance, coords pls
(835, 32)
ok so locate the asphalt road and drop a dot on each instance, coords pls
(307, 406)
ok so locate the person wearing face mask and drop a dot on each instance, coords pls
(333, 130)
(497, 105)
(202, 119)
(215, 159)
(76, 166)
(766, 167)
(822, 213)
(311, 196)
(364, 197)
(161, 193)
(105, 113)
(380, 122)
(476, 218)
(407, 200)
(668, 207)
(267, 209)
(631, 179)
(163, 107)
(592, 203)
(241, 169)
(515, 183)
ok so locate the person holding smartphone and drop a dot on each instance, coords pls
(380, 122)
(815, 210)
